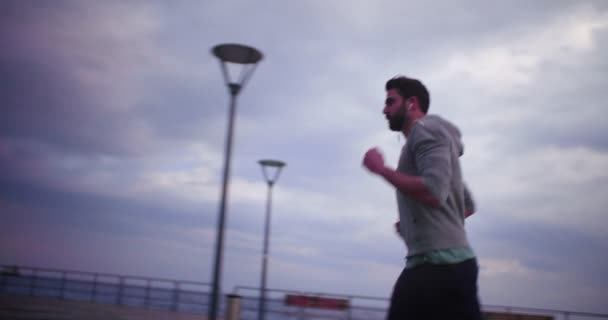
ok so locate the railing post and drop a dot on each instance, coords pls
(233, 307)
(348, 308)
(33, 282)
(94, 289)
(175, 304)
(121, 283)
(147, 297)
(4, 281)
(62, 286)
(302, 315)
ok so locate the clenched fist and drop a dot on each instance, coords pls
(373, 161)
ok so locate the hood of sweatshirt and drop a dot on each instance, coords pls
(438, 123)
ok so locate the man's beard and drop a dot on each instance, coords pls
(396, 122)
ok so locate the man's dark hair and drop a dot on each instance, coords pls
(408, 87)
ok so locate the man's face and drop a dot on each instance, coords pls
(394, 110)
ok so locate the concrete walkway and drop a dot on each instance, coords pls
(14, 307)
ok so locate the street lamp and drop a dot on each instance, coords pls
(270, 180)
(247, 58)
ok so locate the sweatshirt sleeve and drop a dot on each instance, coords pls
(433, 161)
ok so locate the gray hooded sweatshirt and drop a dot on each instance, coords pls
(432, 151)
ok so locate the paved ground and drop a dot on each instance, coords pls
(39, 308)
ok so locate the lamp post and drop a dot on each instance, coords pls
(270, 180)
(247, 58)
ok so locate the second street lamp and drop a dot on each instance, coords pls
(271, 178)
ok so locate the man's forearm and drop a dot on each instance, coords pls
(411, 186)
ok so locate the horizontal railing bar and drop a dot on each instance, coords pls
(541, 310)
(20, 268)
(367, 308)
(355, 297)
(69, 285)
(298, 313)
(106, 294)
(337, 295)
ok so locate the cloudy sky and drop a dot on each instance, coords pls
(114, 113)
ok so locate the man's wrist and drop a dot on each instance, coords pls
(384, 171)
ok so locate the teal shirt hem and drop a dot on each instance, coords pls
(442, 256)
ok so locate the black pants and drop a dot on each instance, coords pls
(444, 291)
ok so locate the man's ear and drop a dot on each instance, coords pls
(411, 102)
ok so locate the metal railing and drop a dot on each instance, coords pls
(167, 294)
(556, 314)
(193, 297)
(370, 308)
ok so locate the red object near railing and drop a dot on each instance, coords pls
(316, 302)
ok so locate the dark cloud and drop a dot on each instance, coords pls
(65, 83)
(99, 213)
(42, 97)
